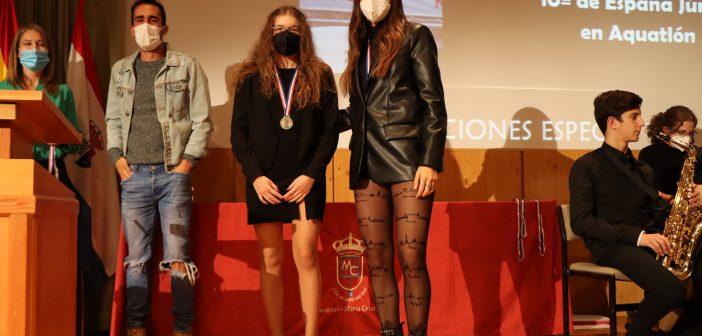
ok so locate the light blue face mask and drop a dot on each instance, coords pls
(34, 60)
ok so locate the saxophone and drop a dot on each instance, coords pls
(683, 227)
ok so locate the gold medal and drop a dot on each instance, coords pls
(286, 123)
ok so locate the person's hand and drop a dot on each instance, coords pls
(666, 197)
(185, 167)
(425, 181)
(266, 190)
(298, 189)
(657, 242)
(123, 169)
(695, 195)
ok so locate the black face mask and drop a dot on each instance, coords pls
(286, 43)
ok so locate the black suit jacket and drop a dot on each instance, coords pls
(254, 138)
(403, 116)
(607, 208)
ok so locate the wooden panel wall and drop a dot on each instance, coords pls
(469, 174)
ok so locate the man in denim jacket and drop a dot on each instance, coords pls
(157, 129)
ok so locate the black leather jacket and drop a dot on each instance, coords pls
(399, 123)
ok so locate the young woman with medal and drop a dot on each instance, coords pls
(398, 118)
(284, 135)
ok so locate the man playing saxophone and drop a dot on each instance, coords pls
(617, 210)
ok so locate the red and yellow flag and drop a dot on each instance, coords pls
(8, 28)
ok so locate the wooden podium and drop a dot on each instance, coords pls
(38, 221)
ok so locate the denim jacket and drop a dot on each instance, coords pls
(182, 103)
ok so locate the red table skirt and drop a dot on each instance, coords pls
(478, 285)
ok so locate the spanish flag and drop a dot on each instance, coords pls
(8, 28)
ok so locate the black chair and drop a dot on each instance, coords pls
(589, 270)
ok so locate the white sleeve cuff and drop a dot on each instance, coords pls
(638, 241)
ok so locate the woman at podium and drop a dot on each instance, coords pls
(30, 66)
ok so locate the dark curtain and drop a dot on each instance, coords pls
(106, 20)
(56, 17)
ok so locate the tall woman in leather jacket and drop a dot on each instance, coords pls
(398, 118)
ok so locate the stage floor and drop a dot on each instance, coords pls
(621, 320)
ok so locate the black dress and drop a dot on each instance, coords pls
(286, 167)
(667, 163)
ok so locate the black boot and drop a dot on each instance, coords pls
(391, 331)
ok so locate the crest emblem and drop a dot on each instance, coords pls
(349, 263)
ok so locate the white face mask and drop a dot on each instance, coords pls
(686, 139)
(375, 10)
(147, 37)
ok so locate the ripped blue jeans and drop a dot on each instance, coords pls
(148, 189)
